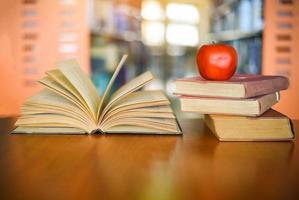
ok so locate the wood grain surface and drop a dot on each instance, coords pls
(193, 166)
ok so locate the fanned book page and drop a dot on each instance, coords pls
(70, 104)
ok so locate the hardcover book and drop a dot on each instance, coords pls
(247, 107)
(70, 104)
(271, 126)
(239, 86)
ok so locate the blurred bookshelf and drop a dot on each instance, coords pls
(170, 41)
(127, 36)
(115, 20)
(222, 6)
(115, 27)
(230, 35)
(240, 23)
(156, 38)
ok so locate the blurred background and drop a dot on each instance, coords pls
(159, 35)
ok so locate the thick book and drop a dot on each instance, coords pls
(246, 107)
(239, 86)
(70, 104)
(271, 126)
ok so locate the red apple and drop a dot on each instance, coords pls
(217, 61)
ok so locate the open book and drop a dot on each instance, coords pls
(70, 104)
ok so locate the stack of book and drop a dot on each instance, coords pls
(238, 109)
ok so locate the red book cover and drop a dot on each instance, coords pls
(239, 86)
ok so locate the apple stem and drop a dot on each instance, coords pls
(213, 42)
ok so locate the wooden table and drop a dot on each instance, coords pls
(146, 167)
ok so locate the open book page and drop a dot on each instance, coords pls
(52, 120)
(140, 111)
(57, 75)
(126, 111)
(136, 113)
(133, 129)
(134, 120)
(136, 100)
(36, 109)
(152, 111)
(155, 109)
(57, 88)
(133, 85)
(49, 130)
(47, 109)
(105, 97)
(51, 103)
(165, 122)
(79, 80)
(152, 123)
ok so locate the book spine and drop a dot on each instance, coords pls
(267, 101)
(262, 87)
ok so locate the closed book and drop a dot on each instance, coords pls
(271, 126)
(247, 107)
(239, 86)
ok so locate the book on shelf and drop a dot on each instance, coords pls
(254, 106)
(271, 126)
(70, 104)
(239, 86)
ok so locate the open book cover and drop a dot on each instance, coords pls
(70, 104)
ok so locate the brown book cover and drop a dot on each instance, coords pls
(271, 126)
(239, 86)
